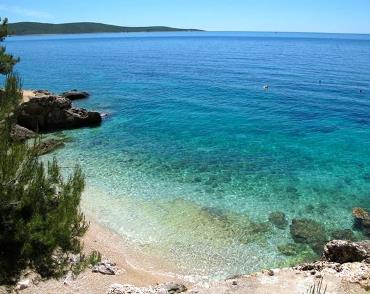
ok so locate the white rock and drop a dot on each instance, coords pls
(24, 284)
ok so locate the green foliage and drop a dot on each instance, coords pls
(91, 260)
(7, 61)
(40, 220)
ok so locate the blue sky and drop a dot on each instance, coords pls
(345, 16)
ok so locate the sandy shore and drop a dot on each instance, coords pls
(114, 248)
(339, 279)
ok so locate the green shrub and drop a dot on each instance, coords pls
(40, 220)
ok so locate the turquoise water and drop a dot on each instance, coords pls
(195, 154)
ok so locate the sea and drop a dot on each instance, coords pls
(207, 133)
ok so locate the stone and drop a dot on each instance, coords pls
(48, 146)
(290, 249)
(173, 288)
(307, 231)
(278, 219)
(21, 134)
(75, 94)
(51, 113)
(105, 267)
(345, 234)
(23, 284)
(366, 227)
(69, 277)
(346, 251)
(268, 272)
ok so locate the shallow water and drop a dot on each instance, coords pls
(195, 154)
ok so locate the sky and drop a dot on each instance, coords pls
(336, 16)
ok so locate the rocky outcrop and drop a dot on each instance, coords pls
(346, 251)
(75, 94)
(20, 134)
(51, 112)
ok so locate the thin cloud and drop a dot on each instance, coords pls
(23, 11)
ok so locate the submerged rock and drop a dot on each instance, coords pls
(346, 251)
(290, 249)
(361, 216)
(309, 232)
(278, 219)
(50, 113)
(75, 94)
(345, 234)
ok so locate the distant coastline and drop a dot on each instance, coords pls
(36, 28)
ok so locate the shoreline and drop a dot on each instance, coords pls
(114, 248)
(347, 278)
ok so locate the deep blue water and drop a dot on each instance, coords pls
(195, 154)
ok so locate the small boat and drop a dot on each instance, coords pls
(266, 87)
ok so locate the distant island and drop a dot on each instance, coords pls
(36, 28)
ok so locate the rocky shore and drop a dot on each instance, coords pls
(46, 112)
(41, 111)
(343, 269)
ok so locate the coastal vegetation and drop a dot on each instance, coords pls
(40, 220)
(29, 28)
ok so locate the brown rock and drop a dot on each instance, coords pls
(48, 146)
(75, 94)
(50, 113)
(21, 134)
(346, 251)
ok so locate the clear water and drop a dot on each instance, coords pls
(194, 154)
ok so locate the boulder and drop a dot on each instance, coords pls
(23, 284)
(346, 251)
(278, 219)
(21, 134)
(48, 146)
(50, 113)
(366, 227)
(345, 234)
(105, 267)
(290, 249)
(173, 288)
(361, 220)
(307, 231)
(75, 94)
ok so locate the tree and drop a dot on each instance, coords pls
(40, 219)
(7, 61)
